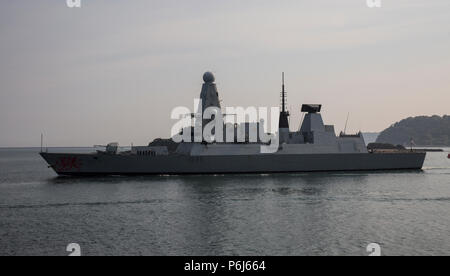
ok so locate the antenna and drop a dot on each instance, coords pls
(346, 123)
(284, 114)
(42, 141)
(283, 95)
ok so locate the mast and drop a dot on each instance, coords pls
(283, 95)
(284, 114)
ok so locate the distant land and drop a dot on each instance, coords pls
(423, 130)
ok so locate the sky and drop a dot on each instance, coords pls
(113, 70)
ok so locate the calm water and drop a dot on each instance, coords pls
(291, 214)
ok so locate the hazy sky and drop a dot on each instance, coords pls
(113, 70)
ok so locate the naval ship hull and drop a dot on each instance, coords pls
(104, 164)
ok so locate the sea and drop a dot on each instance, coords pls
(404, 212)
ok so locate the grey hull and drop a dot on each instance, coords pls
(102, 164)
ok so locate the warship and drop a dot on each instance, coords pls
(315, 147)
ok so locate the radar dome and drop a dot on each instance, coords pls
(208, 77)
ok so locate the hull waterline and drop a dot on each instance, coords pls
(94, 164)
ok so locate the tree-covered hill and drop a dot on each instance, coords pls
(425, 131)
